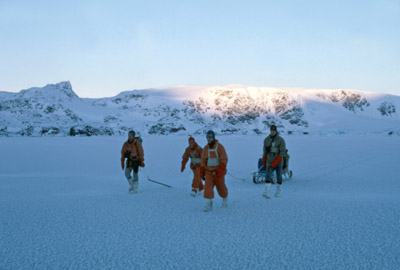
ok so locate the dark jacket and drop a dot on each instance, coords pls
(274, 147)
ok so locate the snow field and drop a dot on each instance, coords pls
(64, 204)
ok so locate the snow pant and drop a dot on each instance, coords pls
(218, 181)
(197, 183)
(135, 169)
(278, 170)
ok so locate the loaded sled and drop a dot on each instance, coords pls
(260, 175)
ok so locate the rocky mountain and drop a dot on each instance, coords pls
(56, 110)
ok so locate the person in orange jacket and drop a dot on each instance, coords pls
(193, 151)
(132, 150)
(213, 170)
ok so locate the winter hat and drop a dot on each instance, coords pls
(210, 134)
(191, 139)
(131, 132)
(273, 127)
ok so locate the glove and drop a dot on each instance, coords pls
(122, 163)
(183, 166)
(221, 170)
(264, 162)
(276, 161)
(142, 163)
(202, 174)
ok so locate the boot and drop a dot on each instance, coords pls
(225, 202)
(130, 185)
(135, 182)
(135, 187)
(278, 190)
(194, 192)
(266, 192)
(208, 205)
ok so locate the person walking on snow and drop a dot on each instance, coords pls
(213, 170)
(193, 151)
(273, 150)
(132, 150)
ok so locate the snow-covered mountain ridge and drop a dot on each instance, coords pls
(56, 110)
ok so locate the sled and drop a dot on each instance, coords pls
(260, 176)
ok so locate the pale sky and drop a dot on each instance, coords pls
(105, 47)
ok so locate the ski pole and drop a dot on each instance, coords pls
(148, 178)
(158, 183)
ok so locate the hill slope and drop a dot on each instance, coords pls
(56, 110)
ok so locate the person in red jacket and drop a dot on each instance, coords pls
(132, 150)
(213, 170)
(193, 151)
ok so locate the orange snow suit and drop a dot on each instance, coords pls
(195, 159)
(213, 168)
(136, 153)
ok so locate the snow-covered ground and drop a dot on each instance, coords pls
(64, 204)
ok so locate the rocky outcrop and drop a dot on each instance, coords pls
(352, 101)
(387, 109)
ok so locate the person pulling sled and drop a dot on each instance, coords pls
(274, 149)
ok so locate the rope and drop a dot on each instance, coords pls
(238, 178)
